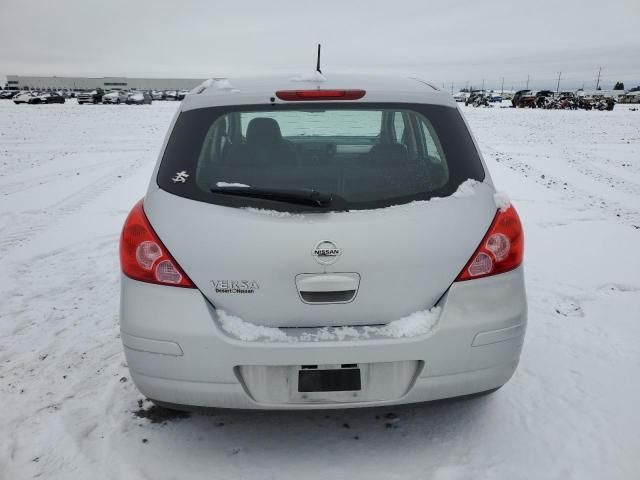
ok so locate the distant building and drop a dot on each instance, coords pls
(600, 93)
(20, 82)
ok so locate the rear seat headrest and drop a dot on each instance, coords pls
(387, 154)
(265, 131)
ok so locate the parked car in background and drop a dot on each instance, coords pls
(156, 95)
(181, 94)
(47, 97)
(115, 97)
(170, 95)
(139, 98)
(543, 98)
(517, 101)
(22, 97)
(569, 95)
(478, 98)
(94, 96)
(8, 94)
(322, 296)
(461, 96)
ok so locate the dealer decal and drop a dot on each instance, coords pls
(235, 286)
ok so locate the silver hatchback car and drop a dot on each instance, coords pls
(316, 242)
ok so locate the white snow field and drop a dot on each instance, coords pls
(68, 176)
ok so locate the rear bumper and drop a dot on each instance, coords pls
(177, 352)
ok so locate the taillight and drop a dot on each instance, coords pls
(501, 249)
(305, 95)
(143, 256)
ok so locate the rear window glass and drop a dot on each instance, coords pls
(321, 123)
(361, 155)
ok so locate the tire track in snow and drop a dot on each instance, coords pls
(606, 178)
(37, 181)
(22, 234)
(85, 195)
(60, 358)
(614, 209)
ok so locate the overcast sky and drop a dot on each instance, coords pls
(442, 41)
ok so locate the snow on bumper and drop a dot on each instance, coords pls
(178, 352)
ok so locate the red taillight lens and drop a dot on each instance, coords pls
(303, 95)
(501, 250)
(143, 256)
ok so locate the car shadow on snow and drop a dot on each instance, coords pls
(294, 432)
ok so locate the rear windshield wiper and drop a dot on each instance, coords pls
(302, 196)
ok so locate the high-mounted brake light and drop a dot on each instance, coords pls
(306, 95)
(501, 249)
(143, 256)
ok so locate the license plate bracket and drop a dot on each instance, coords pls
(329, 380)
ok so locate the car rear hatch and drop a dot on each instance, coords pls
(307, 214)
(261, 267)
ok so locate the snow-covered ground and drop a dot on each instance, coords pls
(68, 176)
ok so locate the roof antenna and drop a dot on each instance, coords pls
(318, 64)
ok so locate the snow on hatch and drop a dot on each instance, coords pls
(503, 202)
(248, 331)
(413, 325)
(310, 77)
(466, 188)
(418, 323)
(224, 84)
(229, 185)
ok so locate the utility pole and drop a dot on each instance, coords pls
(558, 86)
(527, 88)
(451, 88)
(502, 88)
(483, 84)
(598, 82)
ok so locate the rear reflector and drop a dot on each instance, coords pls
(501, 249)
(306, 95)
(143, 257)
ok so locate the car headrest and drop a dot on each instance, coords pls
(265, 131)
(387, 154)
